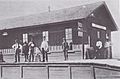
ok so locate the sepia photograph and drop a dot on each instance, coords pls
(59, 39)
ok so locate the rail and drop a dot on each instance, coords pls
(51, 49)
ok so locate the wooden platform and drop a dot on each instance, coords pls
(57, 56)
(84, 69)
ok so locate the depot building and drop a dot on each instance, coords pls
(80, 25)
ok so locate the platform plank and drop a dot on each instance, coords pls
(59, 73)
(106, 74)
(82, 73)
(11, 72)
(35, 73)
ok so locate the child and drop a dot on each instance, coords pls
(37, 55)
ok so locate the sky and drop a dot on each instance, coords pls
(15, 8)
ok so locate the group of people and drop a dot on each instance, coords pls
(31, 51)
(101, 51)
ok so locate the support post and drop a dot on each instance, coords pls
(94, 75)
(70, 72)
(1, 71)
(47, 71)
(83, 47)
(21, 71)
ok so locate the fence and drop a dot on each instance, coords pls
(52, 49)
(59, 48)
(7, 51)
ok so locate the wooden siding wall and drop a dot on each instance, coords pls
(92, 32)
(56, 33)
(57, 71)
(8, 41)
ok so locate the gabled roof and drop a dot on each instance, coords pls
(66, 14)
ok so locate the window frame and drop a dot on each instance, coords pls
(68, 35)
(80, 27)
(25, 37)
(46, 34)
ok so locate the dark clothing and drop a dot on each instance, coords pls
(70, 46)
(1, 58)
(25, 51)
(17, 55)
(65, 48)
(31, 56)
(17, 47)
(25, 48)
(101, 53)
(65, 54)
(26, 57)
(90, 54)
(45, 56)
(31, 49)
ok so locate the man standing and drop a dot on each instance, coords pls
(25, 50)
(100, 51)
(44, 49)
(31, 50)
(65, 48)
(17, 47)
(108, 48)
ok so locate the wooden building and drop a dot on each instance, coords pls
(80, 25)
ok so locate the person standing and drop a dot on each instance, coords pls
(18, 48)
(107, 47)
(44, 49)
(100, 50)
(25, 50)
(31, 50)
(65, 48)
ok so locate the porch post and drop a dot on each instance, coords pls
(83, 47)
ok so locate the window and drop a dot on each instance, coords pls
(68, 34)
(98, 34)
(45, 33)
(80, 33)
(80, 29)
(89, 40)
(25, 37)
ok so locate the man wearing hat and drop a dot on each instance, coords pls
(65, 48)
(18, 48)
(31, 50)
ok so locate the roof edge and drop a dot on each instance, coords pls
(116, 28)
